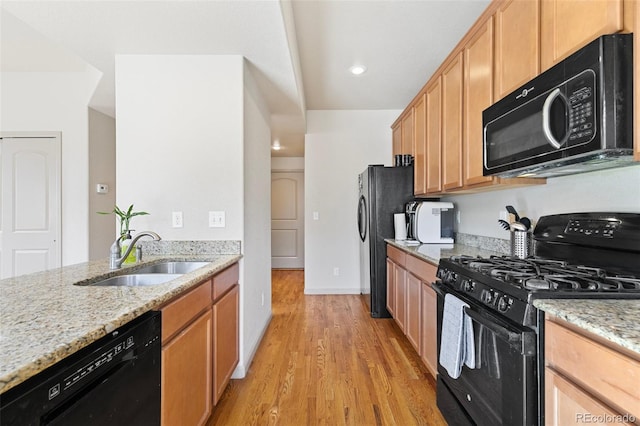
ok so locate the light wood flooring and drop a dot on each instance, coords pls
(325, 361)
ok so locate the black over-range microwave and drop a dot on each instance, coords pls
(575, 117)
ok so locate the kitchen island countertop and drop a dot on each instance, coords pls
(45, 317)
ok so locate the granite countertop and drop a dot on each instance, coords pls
(44, 317)
(432, 253)
(615, 320)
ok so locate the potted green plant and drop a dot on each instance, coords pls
(124, 218)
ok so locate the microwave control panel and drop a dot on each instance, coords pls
(580, 92)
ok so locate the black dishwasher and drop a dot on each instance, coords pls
(113, 381)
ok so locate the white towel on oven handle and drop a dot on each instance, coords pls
(456, 342)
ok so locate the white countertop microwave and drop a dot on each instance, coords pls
(575, 117)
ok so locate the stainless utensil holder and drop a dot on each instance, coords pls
(521, 244)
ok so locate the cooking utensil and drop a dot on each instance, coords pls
(517, 226)
(505, 225)
(511, 210)
(526, 222)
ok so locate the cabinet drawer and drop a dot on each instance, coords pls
(181, 311)
(599, 369)
(397, 255)
(226, 279)
(421, 269)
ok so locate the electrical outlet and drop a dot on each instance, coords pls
(216, 219)
(176, 219)
(504, 215)
(262, 298)
(336, 271)
(458, 216)
(316, 216)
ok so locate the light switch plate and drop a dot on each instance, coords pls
(216, 219)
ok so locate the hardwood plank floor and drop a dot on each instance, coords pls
(325, 361)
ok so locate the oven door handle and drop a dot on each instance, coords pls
(523, 341)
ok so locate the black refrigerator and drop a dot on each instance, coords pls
(383, 192)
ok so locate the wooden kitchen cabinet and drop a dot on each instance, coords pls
(412, 313)
(391, 287)
(396, 277)
(400, 282)
(517, 45)
(396, 134)
(225, 340)
(226, 349)
(478, 95)
(586, 376)
(420, 145)
(416, 312)
(200, 348)
(433, 172)
(425, 272)
(567, 25)
(452, 87)
(407, 133)
(187, 358)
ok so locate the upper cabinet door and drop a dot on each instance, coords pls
(568, 25)
(433, 95)
(517, 35)
(407, 133)
(396, 133)
(452, 123)
(478, 95)
(420, 146)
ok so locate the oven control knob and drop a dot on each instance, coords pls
(487, 297)
(504, 303)
(468, 286)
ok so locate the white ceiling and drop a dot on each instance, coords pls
(299, 51)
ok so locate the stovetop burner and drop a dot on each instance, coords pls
(538, 274)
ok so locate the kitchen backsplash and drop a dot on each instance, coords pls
(488, 243)
(166, 247)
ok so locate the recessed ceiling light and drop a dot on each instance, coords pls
(358, 69)
(276, 146)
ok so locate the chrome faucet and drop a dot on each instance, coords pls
(115, 260)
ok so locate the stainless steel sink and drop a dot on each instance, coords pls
(182, 267)
(136, 280)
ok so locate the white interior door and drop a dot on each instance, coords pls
(30, 207)
(287, 220)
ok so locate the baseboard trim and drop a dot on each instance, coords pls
(241, 370)
(328, 291)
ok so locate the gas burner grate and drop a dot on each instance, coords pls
(538, 274)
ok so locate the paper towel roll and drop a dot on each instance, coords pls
(400, 226)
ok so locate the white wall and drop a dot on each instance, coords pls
(338, 146)
(193, 136)
(615, 190)
(57, 101)
(255, 294)
(179, 142)
(287, 164)
(102, 169)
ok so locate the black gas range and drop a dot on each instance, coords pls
(577, 256)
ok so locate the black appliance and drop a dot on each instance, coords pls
(575, 117)
(113, 381)
(383, 192)
(578, 256)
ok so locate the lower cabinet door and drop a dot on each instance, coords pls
(567, 404)
(186, 374)
(225, 343)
